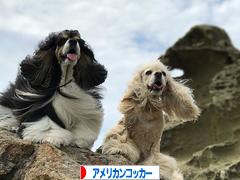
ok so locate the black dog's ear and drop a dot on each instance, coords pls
(42, 70)
(88, 73)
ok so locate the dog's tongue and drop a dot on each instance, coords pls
(155, 86)
(72, 57)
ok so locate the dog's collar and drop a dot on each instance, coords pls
(64, 84)
(60, 86)
(63, 93)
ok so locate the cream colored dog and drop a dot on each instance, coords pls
(151, 95)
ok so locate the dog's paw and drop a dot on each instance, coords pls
(84, 143)
(56, 142)
(177, 175)
(133, 156)
(58, 137)
(9, 123)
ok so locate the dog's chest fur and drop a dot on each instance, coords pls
(83, 109)
(146, 131)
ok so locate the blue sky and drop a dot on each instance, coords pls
(122, 33)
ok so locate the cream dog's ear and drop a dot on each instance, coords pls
(178, 101)
(131, 95)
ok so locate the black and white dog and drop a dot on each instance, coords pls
(55, 98)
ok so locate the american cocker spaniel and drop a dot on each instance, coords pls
(56, 97)
(150, 95)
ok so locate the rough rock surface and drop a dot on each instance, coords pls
(22, 160)
(208, 149)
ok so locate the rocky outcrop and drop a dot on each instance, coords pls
(23, 160)
(208, 149)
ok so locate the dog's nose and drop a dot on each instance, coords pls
(158, 75)
(72, 42)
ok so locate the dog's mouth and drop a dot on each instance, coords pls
(72, 55)
(156, 86)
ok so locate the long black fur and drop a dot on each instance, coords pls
(41, 74)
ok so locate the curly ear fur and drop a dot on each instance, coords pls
(131, 95)
(178, 101)
(88, 72)
(42, 70)
(127, 103)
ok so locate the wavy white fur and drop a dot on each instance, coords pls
(11, 124)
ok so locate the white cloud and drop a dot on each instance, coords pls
(123, 33)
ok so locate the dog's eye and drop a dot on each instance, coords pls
(163, 73)
(148, 72)
(61, 41)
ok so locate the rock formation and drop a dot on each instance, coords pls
(208, 149)
(22, 160)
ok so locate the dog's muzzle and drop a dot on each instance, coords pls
(157, 85)
(71, 50)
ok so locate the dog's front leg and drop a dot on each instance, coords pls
(85, 136)
(117, 141)
(46, 131)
